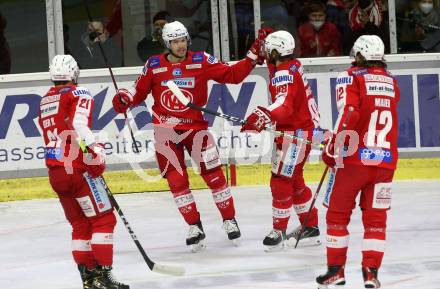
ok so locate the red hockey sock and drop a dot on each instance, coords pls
(281, 213)
(102, 238)
(82, 253)
(187, 206)
(81, 248)
(301, 205)
(224, 202)
(373, 245)
(337, 237)
(221, 193)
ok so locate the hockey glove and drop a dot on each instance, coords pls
(256, 52)
(331, 156)
(95, 160)
(122, 100)
(257, 120)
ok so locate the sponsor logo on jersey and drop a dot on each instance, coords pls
(79, 92)
(174, 120)
(53, 153)
(169, 101)
(361, 71)
(188, 82)
(380, 88)
(159, 70)
(211, 59)
(154, 62)
(194, 66)
(50, 98)
(375, 155)
(65, 90)
(177, 72)
(378, 78)
(282, 79)
(49, 109)
(344, 80)
(197, 57)
(293, 68)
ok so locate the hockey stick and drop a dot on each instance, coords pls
(304, 224)
(107, 63)
(185, 101)
(155, 267)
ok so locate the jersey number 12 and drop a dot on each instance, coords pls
(385, 118)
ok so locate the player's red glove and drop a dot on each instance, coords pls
(256, 52)
(328, 153)
(257, 120)
(122, 100)
(95, 160)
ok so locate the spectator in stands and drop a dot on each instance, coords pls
(337, 14)
(318, 37)
(421, 28)
(5, 54)
(366, 14)
(366, 17)
(153, 44)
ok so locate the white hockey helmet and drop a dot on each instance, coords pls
(64, 68)
(371, 47)
(174, 30)
(281, 41)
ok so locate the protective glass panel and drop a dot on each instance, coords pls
(131, 30)
(418, 26)
(23, 36)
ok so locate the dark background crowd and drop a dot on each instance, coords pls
(130, 35)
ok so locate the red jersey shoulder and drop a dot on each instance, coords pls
(153, 62)
(357, 71)
(196, 57)
(295, 66)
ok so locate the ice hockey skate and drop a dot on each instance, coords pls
(87, 276)
(104, 279)
(334, 278)
(274, 241)
(232, 230)
(195, 238)
(370, 277)
(309, 237)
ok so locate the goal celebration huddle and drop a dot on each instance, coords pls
(360, 152)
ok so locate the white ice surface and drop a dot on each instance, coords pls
(35, 244)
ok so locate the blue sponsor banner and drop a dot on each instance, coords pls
(21, 110)
(405, 109)
(429, 109)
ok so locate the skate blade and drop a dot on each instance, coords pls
(195, 248)
(276, 248)
(321, 286)
(236, 242)
(307, 242)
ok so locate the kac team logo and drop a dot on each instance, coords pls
(170, 101)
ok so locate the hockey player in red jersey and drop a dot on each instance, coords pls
(65, 119)
(367, 97)
(177, 127)
(293, 110)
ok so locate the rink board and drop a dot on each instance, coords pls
(21, 144)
